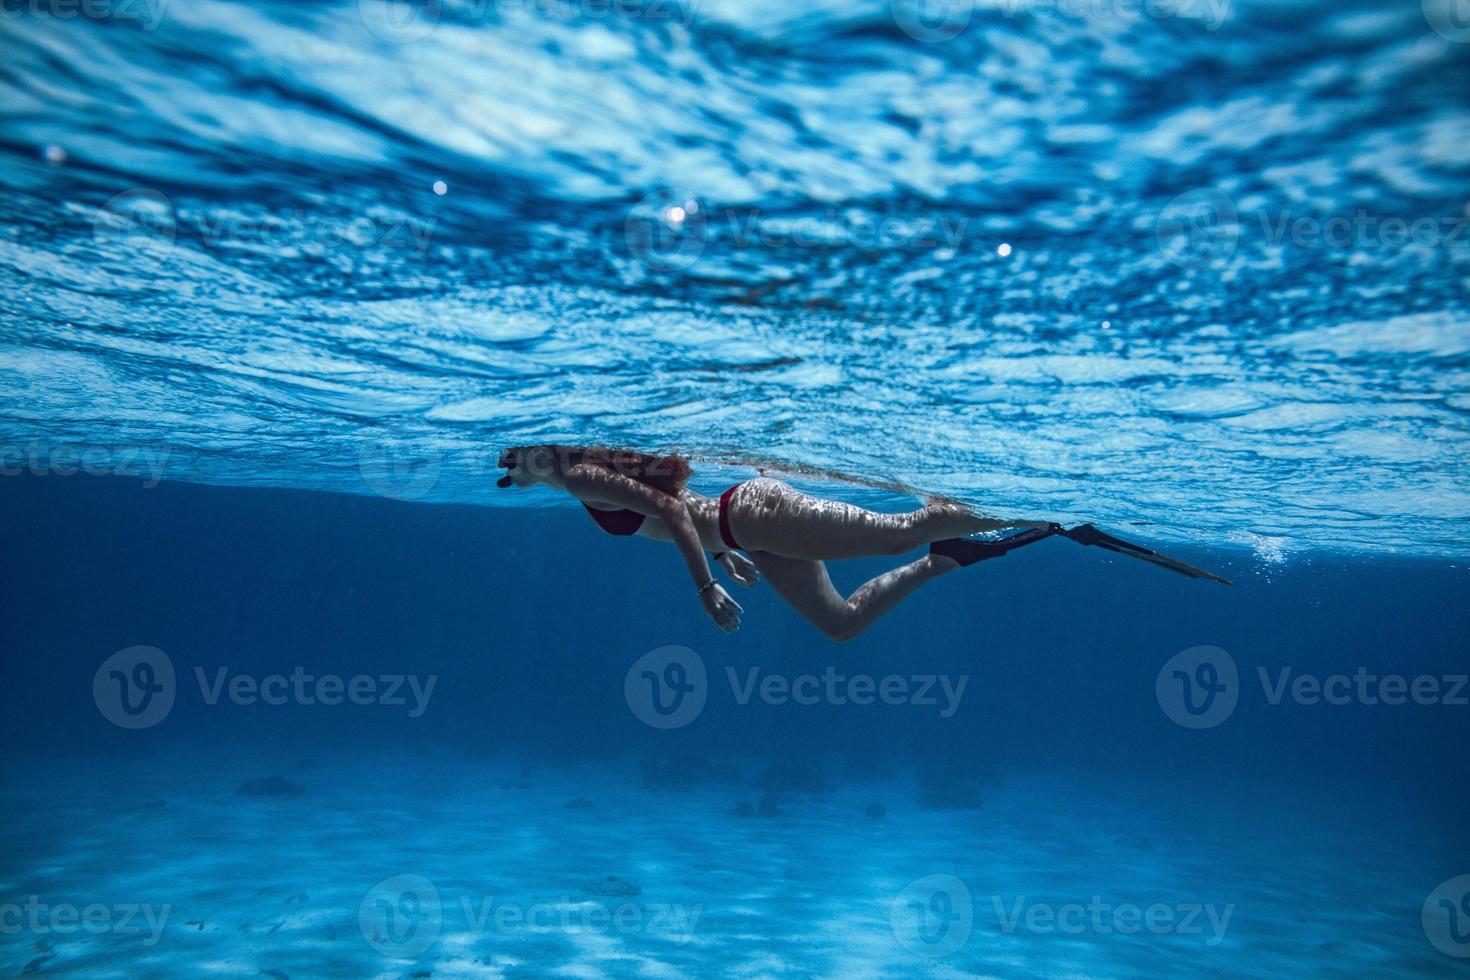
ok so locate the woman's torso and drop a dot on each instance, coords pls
(703, 511)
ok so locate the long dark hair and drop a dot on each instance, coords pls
(667, 474)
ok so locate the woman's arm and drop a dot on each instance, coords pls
(740, 568)
(588, 482)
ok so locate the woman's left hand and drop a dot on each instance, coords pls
(740, 568)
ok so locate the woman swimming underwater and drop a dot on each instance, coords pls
(787, 534)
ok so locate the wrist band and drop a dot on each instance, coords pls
(704, 588)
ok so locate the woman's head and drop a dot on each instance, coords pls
(530, 465)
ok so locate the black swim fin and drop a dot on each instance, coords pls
(968, 551)
(1086, 534)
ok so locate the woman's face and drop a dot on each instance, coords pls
(529, 466)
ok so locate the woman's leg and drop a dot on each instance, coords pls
(808, 589)
(771, 516)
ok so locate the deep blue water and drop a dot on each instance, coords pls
(279, 280)
(1061, 774)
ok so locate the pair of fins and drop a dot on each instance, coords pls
(967, 551)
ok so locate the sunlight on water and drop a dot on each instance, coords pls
(1201, 265)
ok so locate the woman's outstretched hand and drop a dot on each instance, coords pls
(740, 568)
(724, 610)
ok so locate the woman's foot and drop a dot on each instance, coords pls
(967, 551)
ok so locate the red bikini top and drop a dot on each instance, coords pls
(619, 522)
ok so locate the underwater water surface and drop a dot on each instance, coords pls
(292, 690)
(1201, 264)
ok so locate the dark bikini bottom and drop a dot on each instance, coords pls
(725, 534)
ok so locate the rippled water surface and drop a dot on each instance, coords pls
(1199, 264)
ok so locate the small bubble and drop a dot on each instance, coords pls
(674, 215)
(441, 188)
(54, 154)
(1107, 324)
(1004, 249)
(692, 206)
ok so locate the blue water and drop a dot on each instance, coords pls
(279, 280)
(1179, 333)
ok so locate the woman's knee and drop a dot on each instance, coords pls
(842, 625)
(841, 632)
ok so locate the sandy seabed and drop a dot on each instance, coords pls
(428, 867)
